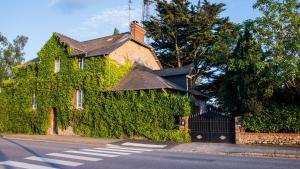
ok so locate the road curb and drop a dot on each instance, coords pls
(53, 141)
(269, 155)
(243, 154)
(235, 154)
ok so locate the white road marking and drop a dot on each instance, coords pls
(90, 153)
(144, 145)
(119, 150)
(74, 157)
(128, 148)
(106, 151)
(54, 161)
(24, 165)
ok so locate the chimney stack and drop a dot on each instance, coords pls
(137, 31)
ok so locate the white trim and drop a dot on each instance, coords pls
(79, 99)
(57, 65)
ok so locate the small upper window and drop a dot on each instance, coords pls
(79, 99)
(34, 102)
(57, 66)
(81, 62)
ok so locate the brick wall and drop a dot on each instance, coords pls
(137, 54)
(243, 137)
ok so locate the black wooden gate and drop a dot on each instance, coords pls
(212, 127)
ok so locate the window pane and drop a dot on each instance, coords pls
(81, 63)
(57, 65)
(79, 99)
(34, 103)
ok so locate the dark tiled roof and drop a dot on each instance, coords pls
(78, 46)
(99, 46)
(105, 45)
(34, 60)
(141, 78)
(37, 59)
(186, 70)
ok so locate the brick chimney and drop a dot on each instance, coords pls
(137, 31)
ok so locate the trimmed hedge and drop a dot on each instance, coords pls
(106, 114)
(275, 119)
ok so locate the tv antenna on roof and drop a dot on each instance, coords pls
(129, 10)
(146, 9)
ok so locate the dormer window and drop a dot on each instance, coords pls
(57, 65)
(81, 63)
(34, 102)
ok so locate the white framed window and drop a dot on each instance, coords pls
(34, 102)
(81, 62)
(57, 65)
(79, 99)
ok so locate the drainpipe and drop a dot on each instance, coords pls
(187, 83)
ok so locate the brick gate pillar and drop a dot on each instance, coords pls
(238, 129)
(184, 123)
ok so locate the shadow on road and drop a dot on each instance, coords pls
(189, 159)
(3, 156)
(24, 148)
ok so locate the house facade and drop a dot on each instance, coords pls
(105, 87)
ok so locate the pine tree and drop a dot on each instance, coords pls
(185, 33)
(244, 87)
(116, 31)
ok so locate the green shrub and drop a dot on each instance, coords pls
(281, 119)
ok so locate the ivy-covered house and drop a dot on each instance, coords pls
(107, 87)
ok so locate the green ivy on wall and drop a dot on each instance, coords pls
(106, 113)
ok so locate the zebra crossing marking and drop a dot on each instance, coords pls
(24, 165)
(106, 151)
(109, 151)
(143, 145)
(128, 148)
(74, 157)
(54, 161)
(90, 153)
(119, 150)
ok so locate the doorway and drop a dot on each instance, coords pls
(53, 122)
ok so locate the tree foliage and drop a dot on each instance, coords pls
(262, 75)
(116, 31)
(278, 31)
(243, 87)
(184, 33)
(11, 54)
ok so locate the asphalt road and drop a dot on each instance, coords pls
(46, 155)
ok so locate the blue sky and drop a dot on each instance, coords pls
(83, 19)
